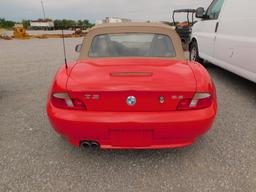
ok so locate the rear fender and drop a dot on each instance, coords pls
(59, 83)
(204, 82)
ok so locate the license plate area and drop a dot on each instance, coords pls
(131, 137)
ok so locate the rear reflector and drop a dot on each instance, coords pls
(63, 100)
(199, 101)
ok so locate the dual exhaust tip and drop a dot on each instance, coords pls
(90, 144)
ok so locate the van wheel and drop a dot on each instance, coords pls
(194, 53)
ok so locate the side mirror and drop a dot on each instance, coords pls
(78, 48)
(200, 12)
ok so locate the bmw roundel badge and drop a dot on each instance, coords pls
(131, 100)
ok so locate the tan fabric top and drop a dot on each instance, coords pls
(155, 28)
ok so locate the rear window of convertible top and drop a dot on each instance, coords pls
(132, 45)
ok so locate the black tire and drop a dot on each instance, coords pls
(194, 53)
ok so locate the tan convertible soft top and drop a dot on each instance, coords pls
(131, 27)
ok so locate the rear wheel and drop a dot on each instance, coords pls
(194, 53)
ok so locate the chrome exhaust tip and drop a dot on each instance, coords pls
(86, 144)
(94, 145)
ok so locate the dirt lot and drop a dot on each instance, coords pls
(34, 158)
(38, 32)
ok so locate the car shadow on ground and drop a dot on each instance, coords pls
(231, 80)
(134, 155)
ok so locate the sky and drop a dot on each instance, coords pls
(138, 10)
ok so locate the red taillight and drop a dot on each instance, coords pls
(199, 101)
(63, 100)
(78, 104)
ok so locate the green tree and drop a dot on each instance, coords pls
(6, 23)
(26, 23)
(85, 24)
(66, 24)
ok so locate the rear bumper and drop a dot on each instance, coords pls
(132, 130)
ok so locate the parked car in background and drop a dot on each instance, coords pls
(226, 36)
(132, 88)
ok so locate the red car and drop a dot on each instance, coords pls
(132, 88)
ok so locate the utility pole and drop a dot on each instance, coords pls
(42, 3)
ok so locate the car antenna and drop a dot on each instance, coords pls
(64, 48)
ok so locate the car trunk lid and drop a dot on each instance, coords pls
(107, 85)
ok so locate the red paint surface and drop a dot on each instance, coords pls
(147, 125)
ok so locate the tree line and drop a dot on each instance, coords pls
(66, 24)
(6, 23)
(58, 23)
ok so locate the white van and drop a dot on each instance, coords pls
(226, 36)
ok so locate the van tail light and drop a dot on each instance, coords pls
(199, 101)
(64, 101)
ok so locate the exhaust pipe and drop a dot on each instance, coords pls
(86, 144)
(94, 145)
(90, 144)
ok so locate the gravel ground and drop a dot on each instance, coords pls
(34, 158)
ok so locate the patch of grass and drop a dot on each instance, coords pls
(2, 30)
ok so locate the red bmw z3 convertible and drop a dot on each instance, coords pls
(132, 88)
